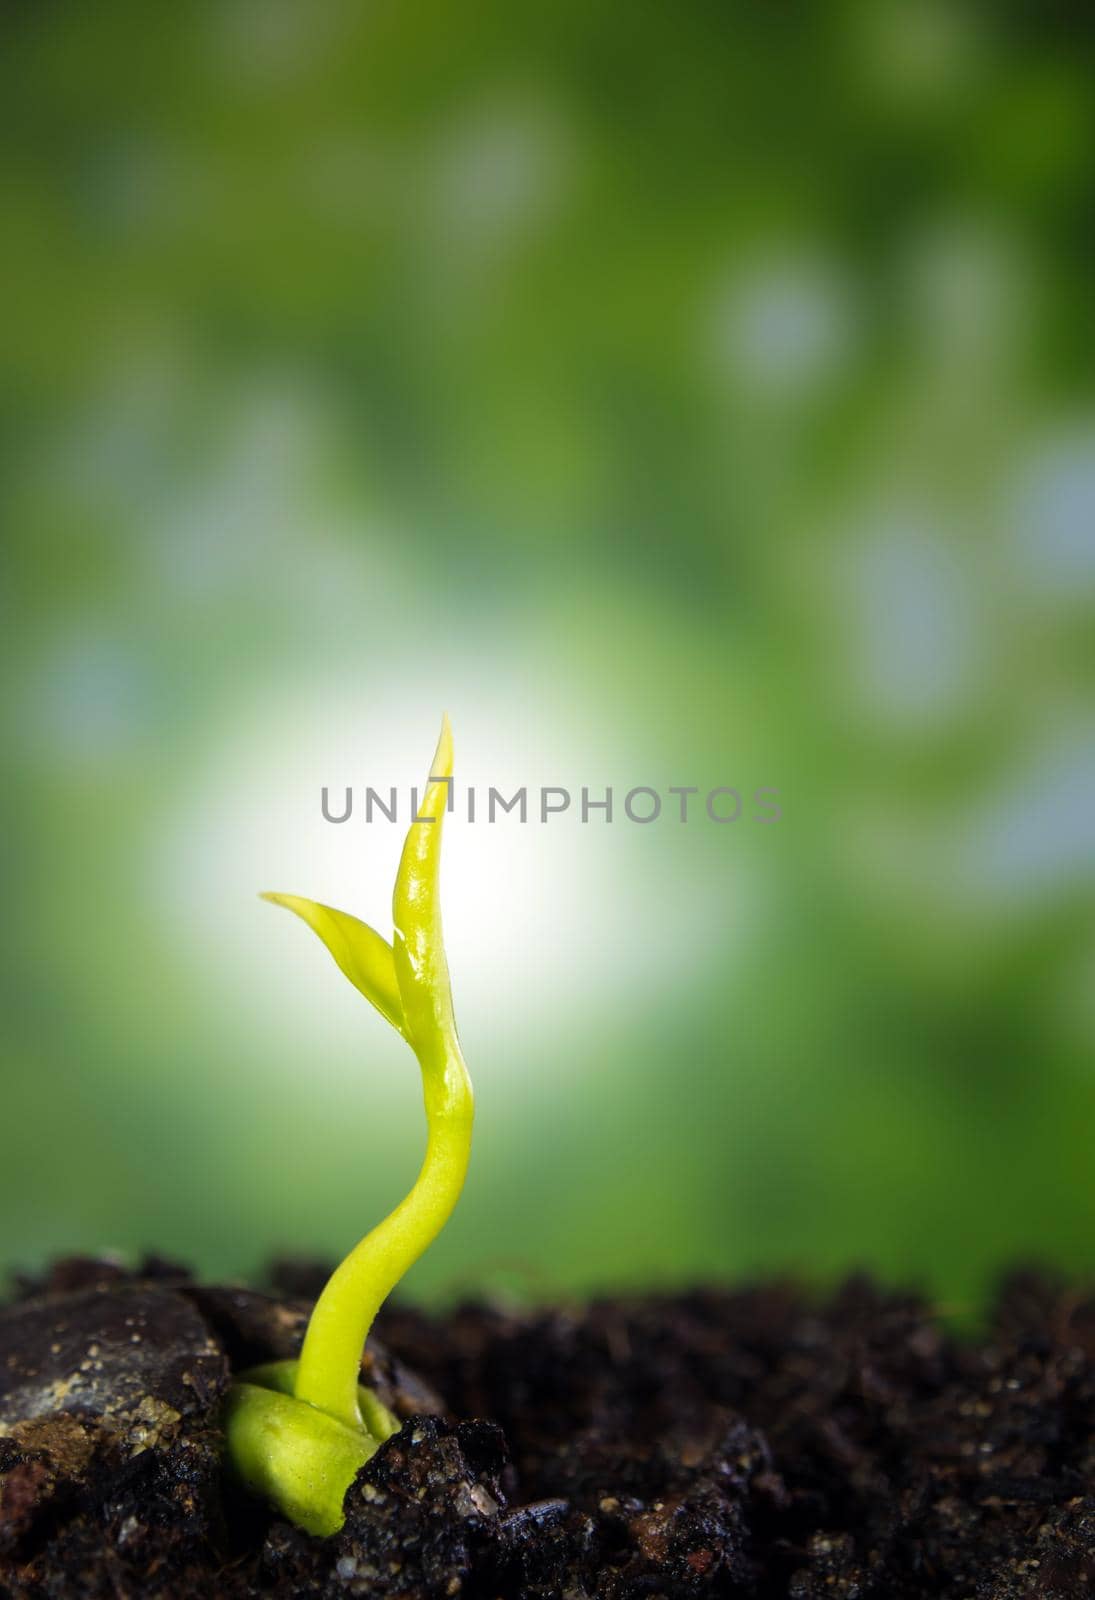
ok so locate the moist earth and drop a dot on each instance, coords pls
(760, 1442)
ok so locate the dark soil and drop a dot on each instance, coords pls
(753, 1443)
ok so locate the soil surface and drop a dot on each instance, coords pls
(751, 1443)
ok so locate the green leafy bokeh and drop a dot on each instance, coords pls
(680, 395)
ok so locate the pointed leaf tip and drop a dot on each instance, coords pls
(442, 759)
(360, 952)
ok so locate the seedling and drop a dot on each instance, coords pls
(299, 1431)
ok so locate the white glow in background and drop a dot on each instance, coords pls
(547, 926)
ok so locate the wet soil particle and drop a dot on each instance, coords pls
(752, 1444)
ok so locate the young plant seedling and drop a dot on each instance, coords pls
(299, 1431)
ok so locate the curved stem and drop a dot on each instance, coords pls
(330, 1361)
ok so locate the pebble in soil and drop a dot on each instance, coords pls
(753, 1444)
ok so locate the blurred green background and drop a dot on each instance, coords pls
(678, 394)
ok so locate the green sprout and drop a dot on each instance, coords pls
(299, 1431)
